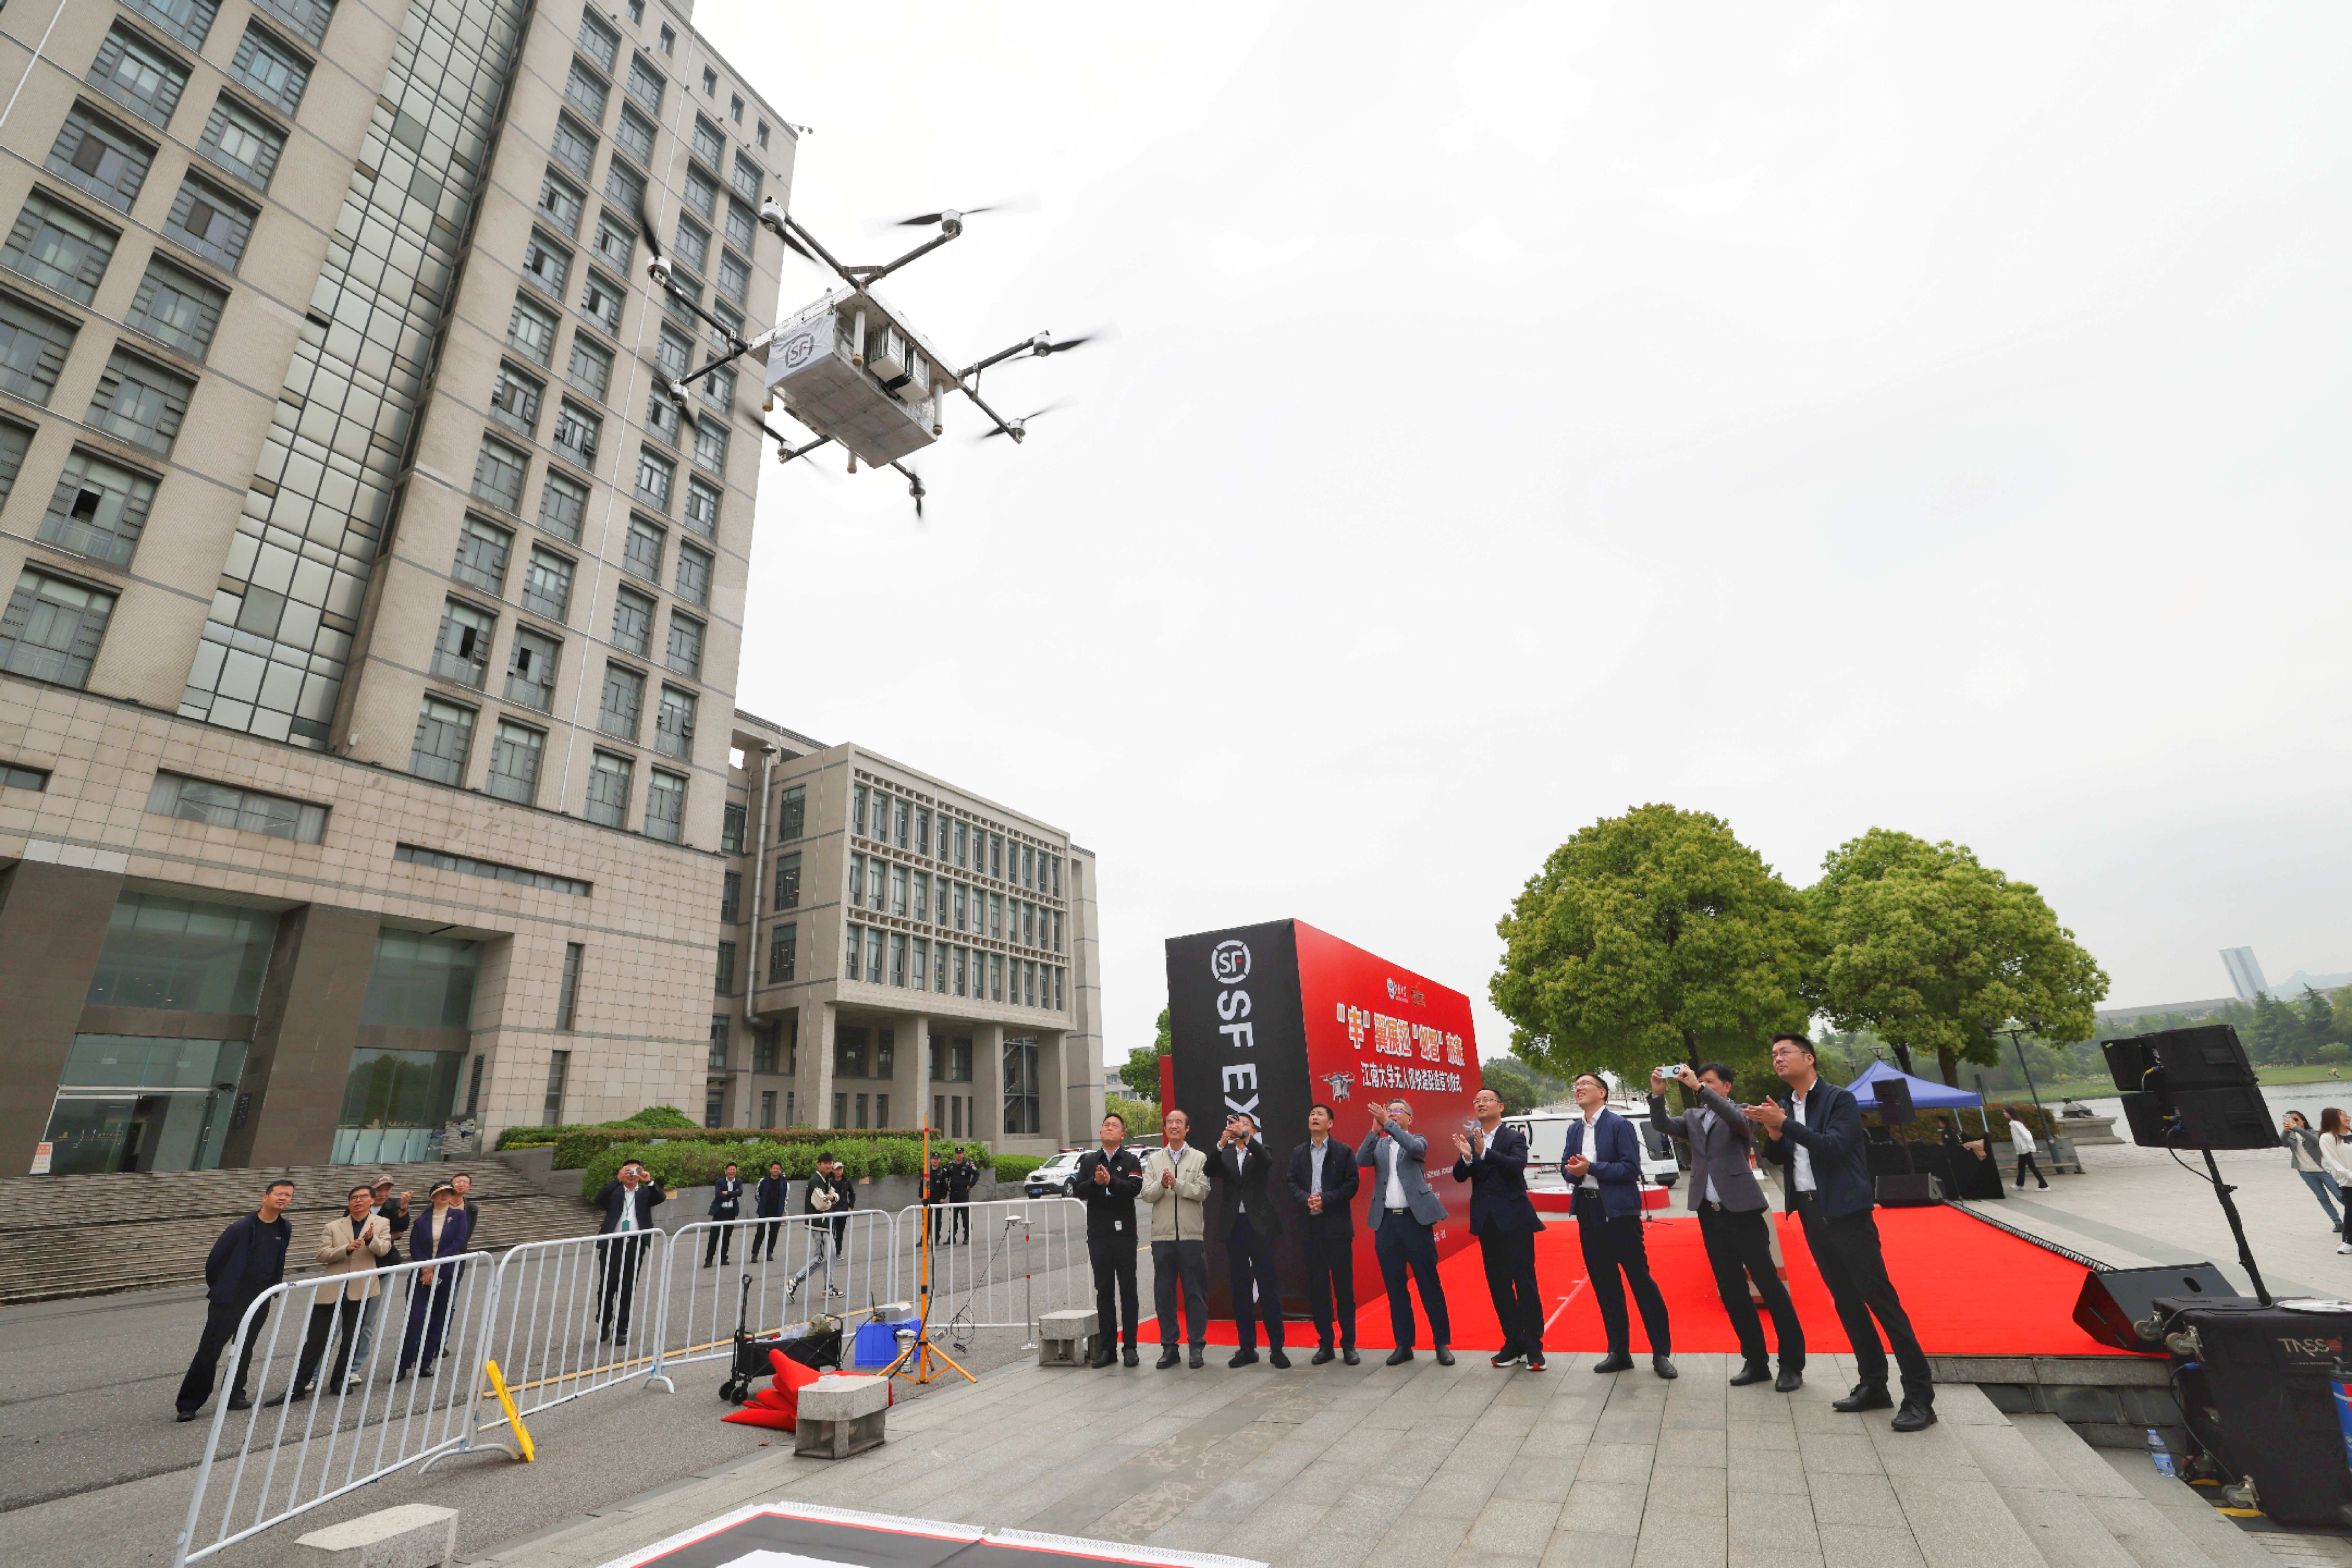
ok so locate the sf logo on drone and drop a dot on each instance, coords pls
(799, 348)
(1229, 963)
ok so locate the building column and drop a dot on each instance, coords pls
(53, 923)
(988, 1080)
(1052, 1088)
(910, 1074)
(303, 1034)
(815, 1077)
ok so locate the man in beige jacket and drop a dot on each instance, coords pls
(348, 1249)
(1175, 1183)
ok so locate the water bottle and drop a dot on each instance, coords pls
(2161, 1455)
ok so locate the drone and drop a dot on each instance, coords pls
(847, 365)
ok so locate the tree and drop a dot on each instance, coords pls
(1933, 951)
(1143, 1116)
(1523, 1088)
(1651, 938)
(1140, 1073)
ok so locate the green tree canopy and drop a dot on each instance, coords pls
(1932, 951)
(1523, 1088)
(1654, 936)
(1141, 1071)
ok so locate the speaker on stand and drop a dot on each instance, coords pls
(1910, 1187)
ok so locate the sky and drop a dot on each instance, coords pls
(1824, 416)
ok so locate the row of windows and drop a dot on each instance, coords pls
(600, 39)
(901, 821)
(441, 860)
(94, 153)
(444, 744)
(888, 889)
(888, 958)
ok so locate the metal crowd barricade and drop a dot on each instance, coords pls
(573, 1316)
(1001, 1264)
(846, 1264)
(265, 1465)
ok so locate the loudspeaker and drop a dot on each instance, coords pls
(2113, 1303)
(2172, 1060)
(2201, 1119)
(1895, 1100)
(1916, 1191)
(2258, 1397)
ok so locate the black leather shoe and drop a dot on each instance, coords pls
(1914, 1416)
(1323, 1355)
(1350, 1358)
(294, 1396)
(1615, 1361)
(1243, 1358)
(239, 1402)
(1130, 1357)
(1865, 1397)
(185, 1415)
(1399, 1356)
(1663, 1366)
(1535, 1359)
(1103, 1358)
(1444, 1356)
(1754, 1372)
(1167, 1358)
(1789, 1382)
(1199, 1359)
(1280, 1362)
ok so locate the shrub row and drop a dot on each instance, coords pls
(679, 1163)
(1012, 1168)
(1929, 1128)
(665, 1117)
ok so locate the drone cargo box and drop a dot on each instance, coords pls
(869, 391)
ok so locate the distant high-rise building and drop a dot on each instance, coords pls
(2245, 974)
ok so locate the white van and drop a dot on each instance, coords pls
(1547, 1133)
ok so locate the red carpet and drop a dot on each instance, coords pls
(1970, 1290)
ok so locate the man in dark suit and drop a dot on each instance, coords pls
(726, 1204)
(1730, 1205)
(1323, 1179)
(1493, 1161)
(1816, 1130)
(628, 1201)
(1246, 1220)
(247, 1260)
(1604, 1167)
(768, 1204)
(1108, 1180)
(1403, 1214)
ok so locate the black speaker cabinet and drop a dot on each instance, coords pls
(2172, 1060)
(2258, 1398)
(2114, 1303)
(1895, 1100)
(1919, 1191)
(2201, 1119)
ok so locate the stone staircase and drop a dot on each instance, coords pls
(93, 1234)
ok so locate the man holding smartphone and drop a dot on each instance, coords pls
(1250, 1227)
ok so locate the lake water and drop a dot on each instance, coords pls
(2308, 1098)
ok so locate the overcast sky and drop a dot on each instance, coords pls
(1823, 416)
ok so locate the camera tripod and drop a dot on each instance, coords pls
(917, 1357)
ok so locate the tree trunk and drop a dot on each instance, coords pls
(1902, 1056)
(1949, 1066)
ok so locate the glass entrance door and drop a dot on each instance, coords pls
(132, 1103)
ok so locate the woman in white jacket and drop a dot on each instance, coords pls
(2302, 1158)
(2336, 1158)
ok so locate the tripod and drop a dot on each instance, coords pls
(2222, 1191)
(919, 1358)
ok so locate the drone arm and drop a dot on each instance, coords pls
(823, 255)
(873, 274)
(742, 347)
(995, 418)
(1026, 346)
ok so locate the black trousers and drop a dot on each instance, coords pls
(720, 1242)
(220, 1327)
(1118, 1306)
(1402, 1242)
(1617, 1257)
(2024, 1163)
(314, 1344)
(962, 1216)
(1846, 1250)
(1740, 1249)
(620, 1260)
(1251, 1271)
(1331, 1283)
(1175, 1263)
(766, 1233)
(1510, 1259)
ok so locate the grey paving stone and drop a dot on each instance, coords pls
(1539, 1478)
(1870, 1546)
(1672, 1538)
(2063, 1528)
(1848, 1498)
(1420, 1538)
(1580, 1548)
(1688, 1446)
(1847, 1452)
(1618, 1462)
(1766, 1470)
(1960, 1523)
(1514, 1526)
(1605, 1508)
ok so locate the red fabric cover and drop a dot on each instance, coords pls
(756, 1416)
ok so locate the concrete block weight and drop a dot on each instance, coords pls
(413, 1536)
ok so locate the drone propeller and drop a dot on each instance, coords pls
(1017, 428)
(791, 242)
(645, 223)
(924, 220)
(914, 487)
(1045, 345)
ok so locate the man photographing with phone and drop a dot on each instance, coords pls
(1249, 1225)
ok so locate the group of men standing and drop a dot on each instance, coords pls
(1811, 1129)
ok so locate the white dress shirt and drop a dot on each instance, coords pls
(1316, 1149)
(1394, 1192)
(628, 1210)
(1592, 1142)
(1801, 1158)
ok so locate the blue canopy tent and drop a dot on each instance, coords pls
(1926, 1093)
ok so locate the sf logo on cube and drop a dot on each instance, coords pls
(1229, 963)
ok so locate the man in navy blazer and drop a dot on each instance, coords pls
(1816, 1130)
(1602, 1166)
(1323, 1179)
(1493, 1161)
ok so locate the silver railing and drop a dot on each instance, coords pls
(999, 1264)
(778, 1273)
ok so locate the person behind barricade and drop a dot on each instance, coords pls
(439, 1234)
(628, 1201)
(348, 1246)
(768, 1204)
(249, 1258)
(829, 1193)
(935, 1196)
(726, 1204)
(394, 1211)
(464, 1185)
(962, 1177)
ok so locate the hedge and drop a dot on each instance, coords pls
(1011, 1168)
(575, 1145)
(681, 1162)
(1929, 1128)
(664, 1117)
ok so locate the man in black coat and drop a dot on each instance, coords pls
(628, 1201)
(769, 1200)
(1324, 1180)
(1247, 1218)
(1493, 1161)
(726, 1204)
(1816, 1130)
(962, 1177)
(935, 1197)
(248, 1258)
(1108, 1180)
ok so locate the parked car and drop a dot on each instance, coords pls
(1547, 1133)
(1056, 1176)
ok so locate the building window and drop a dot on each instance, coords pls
(177, 308)
(51, 628)
(242, 143)
(567, 995)
(591, 371)
(546, 263)
(693, 575)
(616, 243)
(462, 652)
(746, 178)
(213, 225)
(664, 806)
(559, 1068)
(668, 39)
(623, 700)
(55, 245)
(684, 293)
(227, 806)
(700, 192)
(641, 555)
(693, 244)
(624, 185)
(474, 1086)
(740, 224)
(673, 724)
(635, 133)
(271, 69)
(443, 733)
(709, 142)
(514, 401)
(577, 430)
(547, 584)
(586, 91)
(598, 40)
(33, 348)
(190, 21)
(600, 301)
(573, 146)
(719, 388)
(655, 474)
(730, 895)
(764, 136)
(98, 508)
(136, 75)
(646, 84)
(514, 763)
(308, 18)
(709, 81)
(661, 415)
(530, 669)
(498, 474)
(792, 813)
(482, 551)
(674, 352)
(702, 506)
(684, 654)
(897, 960)
(726, 970)
(563, 507)
(996, 977)
(731, 829)
(608, 789)
(710, 444)
(100, 156)
(898, 891)
(783, 953)
(1021, 1088)
(788, 881)
(767, 1101)
(632, 621)
(141, 403)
